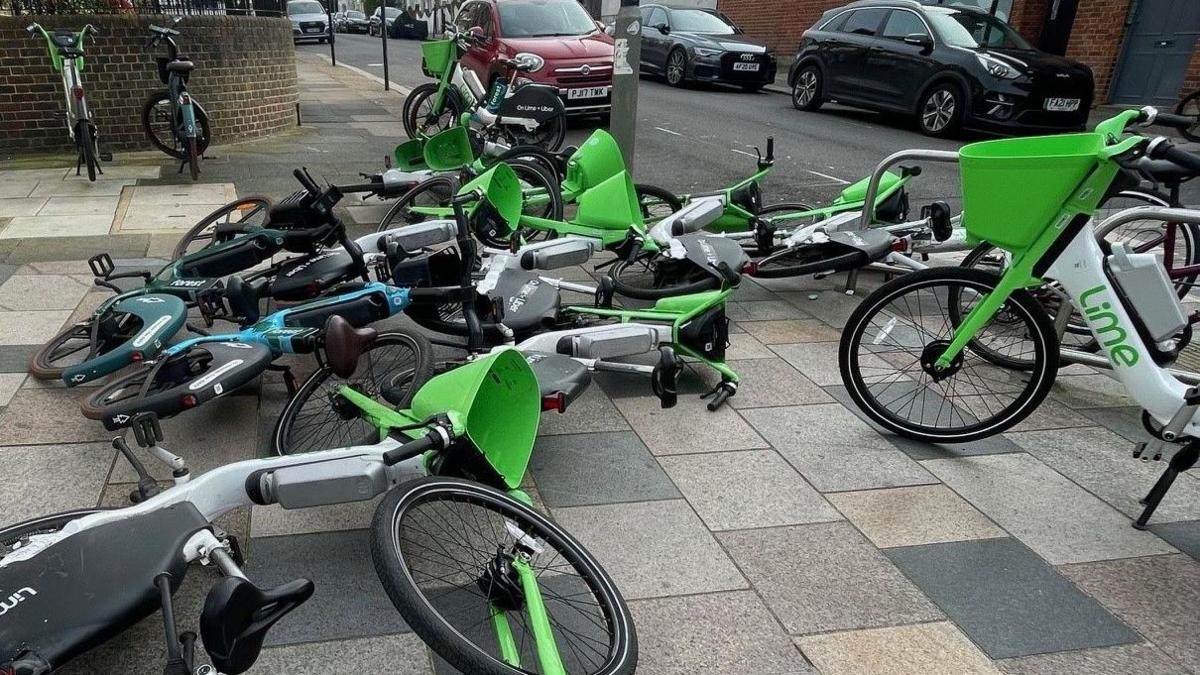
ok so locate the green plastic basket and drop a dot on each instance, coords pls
(409, 156)
(439, 54)
(1013, 188)
(449, 150)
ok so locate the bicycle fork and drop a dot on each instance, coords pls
(539, 622)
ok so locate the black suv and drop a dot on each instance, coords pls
(949, 66)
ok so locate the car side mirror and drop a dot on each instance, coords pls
(919, 39)
(600, 26)
(479, 35)
(664, 29)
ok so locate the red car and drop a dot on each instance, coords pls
(576, 55)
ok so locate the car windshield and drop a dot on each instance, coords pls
(391, 12)
(306, 7)
(697, 21)
(971, 30)
(355, 15)
(543, 18)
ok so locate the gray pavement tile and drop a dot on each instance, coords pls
(688, 427)
(1058, 519)
(763, 310)
(818, 361)
(79, 248)
(826, 577)
(909, 516)
(1007, 599)
(1120, 660)
(28, 327)
(1100, 461)
(349, 601)
(716, 634)
(217, 433)
(1090, 391)
(580, 469)
(920, 450)
(833, 449)
(743, 346)
(770, 382)
(751, 291)
(42, 292)
(6, 271)
(9, 384)
(35, 416)
(936, 648)
(274, 521)
(15, 358)
(591, 412)
(1126, 421)
(653, 549)
(1184, 536)
(832, 307)
(393, 654)
(738, 490)
(1157, 596)
(44, 479)
(789, 331)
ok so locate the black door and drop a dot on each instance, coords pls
(1158, 48)
(846, 52)
(654, 42)
(899, 66)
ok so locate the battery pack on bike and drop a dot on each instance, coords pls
(1149, 292)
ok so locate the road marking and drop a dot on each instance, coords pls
(832, 178)
(743, 152)
(374, 65)
(668, 131)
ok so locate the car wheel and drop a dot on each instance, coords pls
(941, 110)
(806, 90)
(676, 68)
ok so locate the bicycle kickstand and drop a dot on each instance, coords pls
(1183, 460)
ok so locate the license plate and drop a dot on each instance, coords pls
(314, 30)
(587, 92)
(1062, 104)
(749, 67)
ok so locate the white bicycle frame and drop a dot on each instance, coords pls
(468, 84)
(77, 108)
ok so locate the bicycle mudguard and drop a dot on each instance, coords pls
(529, 302)
(306, 278)
(85, 589)
(708, 252)
(233, 365)
(559, 375)
(161, 316)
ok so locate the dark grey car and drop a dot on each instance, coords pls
(702, 46)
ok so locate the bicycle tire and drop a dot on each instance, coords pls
(694, 279)
(436, 190)
(787, 207)
(193, 158)
(354, 430)
(40, 525)
(1192, 133)
(651, 195)
(549, 135)
(453, 107)
(546, 159)
(397, 574)
(1040, 376)
(85, 135)
(152, 114)
(817, 264)
(246, 207)
(41, 364)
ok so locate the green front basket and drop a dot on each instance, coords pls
(1014, 187)
(449, 150)
(502, 193)
(438, 55)
(499, 401)
(409, 156)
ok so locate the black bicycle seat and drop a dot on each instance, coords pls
(237, 615)
(244, 297)
(163, 31)
(181, 66)
(344, 344)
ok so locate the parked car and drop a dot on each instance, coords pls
(309, 20)
(951, 67)
(704, 46)
(575, 54)
(353, 22)
(401, 24)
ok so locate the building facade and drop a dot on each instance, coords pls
(1141, 51)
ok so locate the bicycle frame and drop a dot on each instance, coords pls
(70, 69)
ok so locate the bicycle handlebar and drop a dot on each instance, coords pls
(1161, 148)
(306, 182)
(434, 440)
(1175, 121)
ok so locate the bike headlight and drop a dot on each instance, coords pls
(997, 68)
(530, 62)
(704, 51)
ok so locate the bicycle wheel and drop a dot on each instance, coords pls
(809, 259)
(231, 220)
(419, 117)
(1190, 106)
(85, 137)
(651, 276)
(435, 191)
(73, 345)
(893, 338)
(549, 134)
(193, 159)
(656, 203)
(158, 122)
(542, 198)
(545, 159)
(778, 214)
(390, 371)
(447, 552)
(14, 537)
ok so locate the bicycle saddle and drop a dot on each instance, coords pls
(243, 297)
(237, 615)
(67, 43)
(181, 66)
(344, 344)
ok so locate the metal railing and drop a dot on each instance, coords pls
(171, 7)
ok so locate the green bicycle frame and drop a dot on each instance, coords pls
(55, 58)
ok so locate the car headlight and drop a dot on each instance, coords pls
(704, 51)
(997, 68)
(530, 62)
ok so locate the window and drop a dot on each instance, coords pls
(699, 21)
(902, 23)
(971, 30)
(544, 18)
(467, 17)
(305, 7)
(864, 22)
(657, 17)
(484, 20)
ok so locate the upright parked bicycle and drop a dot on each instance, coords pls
(173, 121)
(66, 52)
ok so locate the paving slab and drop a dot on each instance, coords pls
(818, 361)
(35, 416)
(771, 382)
(763, 310)
(579, 469)
(46, 173)
(1156, 595)
(1090, 391)
(826, 577)
(1055, 517)
(274, 521)
(349, 601)
(1007, 599)
(43, 479)
(15, 358)
(16, 189)
(79, 206)
(910, 516)
(160, 218)
(7, 271)
(790, 331)
(170, 196)
(1120, 660)
(212, 435)
(591, 412)
(833, 449)
(743, 346)
(737, 490)
(9, 384)
(832, 307)
(27, 206)
(39, 227)
(76, 245)
(393, 654)
(105, 187)
(924, 649)
(653, 549)
(42, 292)
(1184, 536)
(678, 430)
(1125, 421)
(1099, 461)
(716, 634)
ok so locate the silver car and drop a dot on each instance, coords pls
(309, 20)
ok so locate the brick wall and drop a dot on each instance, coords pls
(1096, 38)
(780, 22)
(245, 78)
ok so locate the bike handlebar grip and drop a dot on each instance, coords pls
(1175, 121)
(360, 187)
(429, 441)
(719, 398)
(306, 182)
(770, 147)
(465, 198)
(1163, 149)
